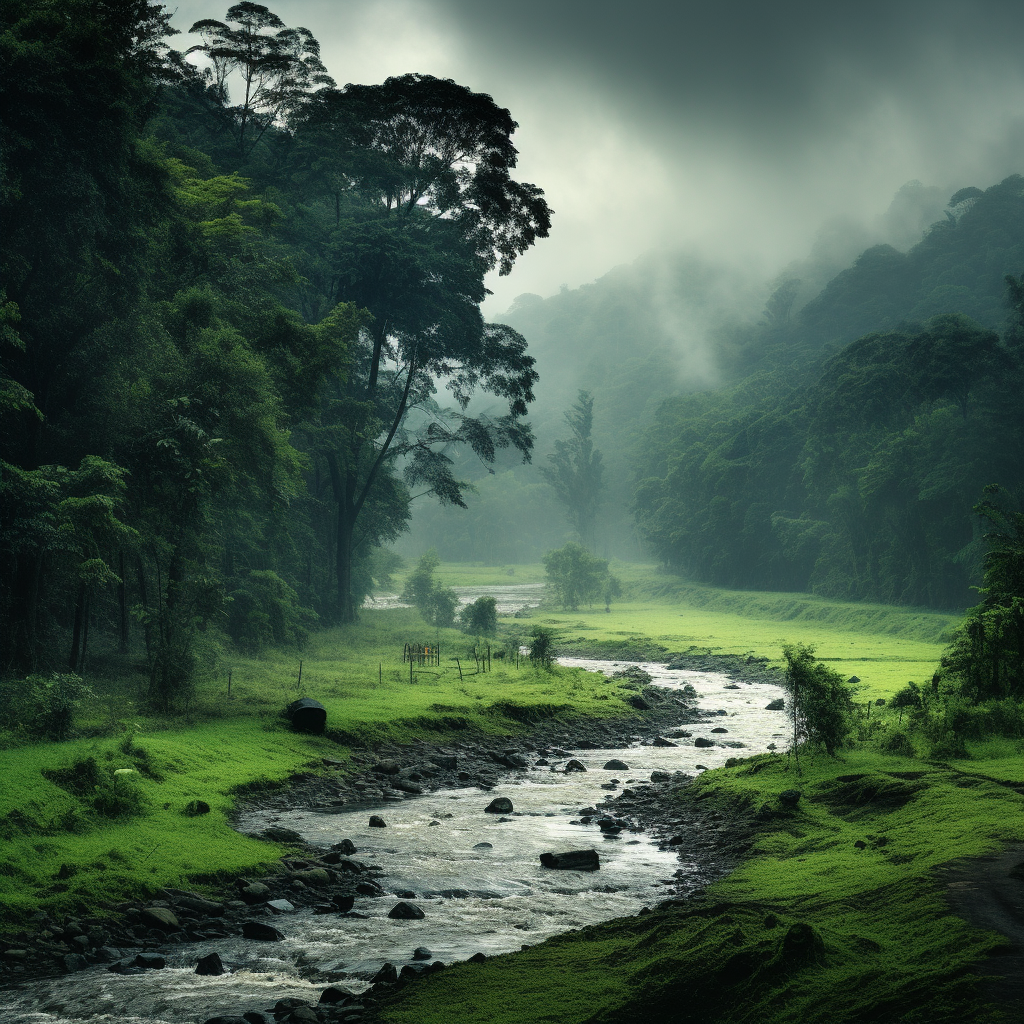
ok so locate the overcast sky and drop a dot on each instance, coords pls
(735, 127)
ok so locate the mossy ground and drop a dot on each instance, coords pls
(226, 743)
(811, 928)
(869, 934)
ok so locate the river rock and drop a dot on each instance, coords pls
(369, 889)
(703, 741)
(257, 1017)
(280, 834)
(616, 766)
(421, 953)
(776, 705)
(150, 962)
(302, 1015)
(512, 759)
(575, 766)
(280, 906)
(74, 962)
(376, 821)
(499, 805)
(574, 860)
(638, 702)
(406, 912)
(346, 846)
(447, 761)
(332, 995)
(660, 777)
(719, 729)
(255, 892)
(261, 931)
(159, 917)
(483, 846)
(387, 975)
(701, 767)
(312, 876)
(226, 1018)
(205, 908)
(386, 768)
(210, 965)
(407, 787)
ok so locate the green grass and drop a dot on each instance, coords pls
(883, 645)
(888, 947)
(225, 743)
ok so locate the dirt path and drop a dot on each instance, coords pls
(988, 892)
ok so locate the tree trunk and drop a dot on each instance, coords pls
(122, 603)
(25, 600)
(76, 635)
(346, 528)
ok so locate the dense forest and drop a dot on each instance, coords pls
(231, 290)
(833, 438)
(242, 332)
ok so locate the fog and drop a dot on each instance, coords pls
(738, 129)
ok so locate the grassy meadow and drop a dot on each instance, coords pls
(836, 915)
(229, 743)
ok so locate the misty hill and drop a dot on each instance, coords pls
(714, 396)
(959, 266)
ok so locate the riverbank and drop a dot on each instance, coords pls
(838, 911)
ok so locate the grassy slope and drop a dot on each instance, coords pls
(238, 742)
(889, 948)
(885, 946)
(884, 646)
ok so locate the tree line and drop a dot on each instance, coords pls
(230, 292)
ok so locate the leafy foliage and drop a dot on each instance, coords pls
(577, 577)
(819, 701)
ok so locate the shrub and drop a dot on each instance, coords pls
(56, 701)
(481, 616)
(819, 700)
(118, 795)
(898, 744)
(541, 645)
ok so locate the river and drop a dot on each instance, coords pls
(476, 876)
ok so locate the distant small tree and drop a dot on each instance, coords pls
(441, 606)
(819, 700)
(541, 643)
(576, 471)
(435, 603)
(908, 697)
(576, 576)
(481, 616)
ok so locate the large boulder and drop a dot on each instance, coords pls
(307, 715)
(210, 965)
(261, 931)
(499, 805)
(406, 912)
(776, 705)
(159, 917)
(574, 860)
(615, 765)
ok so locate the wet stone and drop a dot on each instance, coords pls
(406, 912)
(376, 821)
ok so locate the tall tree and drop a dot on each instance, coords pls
(277, 68)
(576, 471)
(431, 208)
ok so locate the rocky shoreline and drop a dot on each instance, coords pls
(140, 935)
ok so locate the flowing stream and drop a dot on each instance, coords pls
(476, 876)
